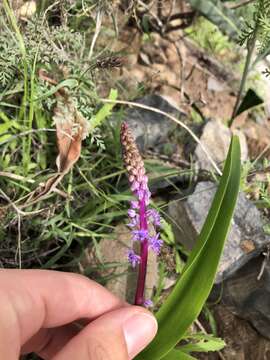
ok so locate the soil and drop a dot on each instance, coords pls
(242, 340)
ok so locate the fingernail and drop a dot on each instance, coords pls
(139, 330)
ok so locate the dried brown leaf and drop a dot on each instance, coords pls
(71, 129)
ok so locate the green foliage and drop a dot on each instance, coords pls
(192, 289)
(202, 343)
(104, 112)
(167, 236)
(176, 354)
(59, 49)
(209, 37)
(47, 45)
(259, 25)
(216, 12)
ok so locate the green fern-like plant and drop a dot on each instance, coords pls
(258, 26)
(255, 33)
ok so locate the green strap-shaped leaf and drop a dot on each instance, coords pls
(192, 289)
(177, 355)
(203, 343)
(104, 112)
(218, 14)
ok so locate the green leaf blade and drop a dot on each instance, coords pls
(204, 343)
(191, 291)
(218, 14)
(177, 355)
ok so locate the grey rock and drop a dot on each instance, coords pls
(216, 138)
(245, 240)
(151, 129)
(215, 85)
(248, 297)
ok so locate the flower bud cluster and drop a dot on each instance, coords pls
(142, 218)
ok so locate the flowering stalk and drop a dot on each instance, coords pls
(141, 216)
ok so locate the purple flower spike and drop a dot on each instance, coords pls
(139, 214)
(133, 258)
(155, 243)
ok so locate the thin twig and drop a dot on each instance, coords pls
(261, 154)
(156, 17)
(266, 255)
(16, 208)
(49, 8)
(11, 203)
(179, 122)
(25, 133)
(97, 31)
(16, 177)
(159, 9)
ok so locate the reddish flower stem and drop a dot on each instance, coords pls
(139, 297)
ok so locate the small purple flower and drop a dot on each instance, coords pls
(140, 193)
(140, 235)
(133, 258)
(147, 197)
(148, 303)
(134, 222)
(134, 204)
(155, 243)
(135, 186)
(154, 217)
(132, 213)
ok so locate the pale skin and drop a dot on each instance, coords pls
(64, 316)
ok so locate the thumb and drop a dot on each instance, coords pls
(120, 334)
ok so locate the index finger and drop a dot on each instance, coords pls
(33, 299)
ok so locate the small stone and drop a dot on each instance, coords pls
(27, 10)
(215, 85)
(247, 246)
(216, 138)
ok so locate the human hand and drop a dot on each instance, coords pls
(39, 309)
